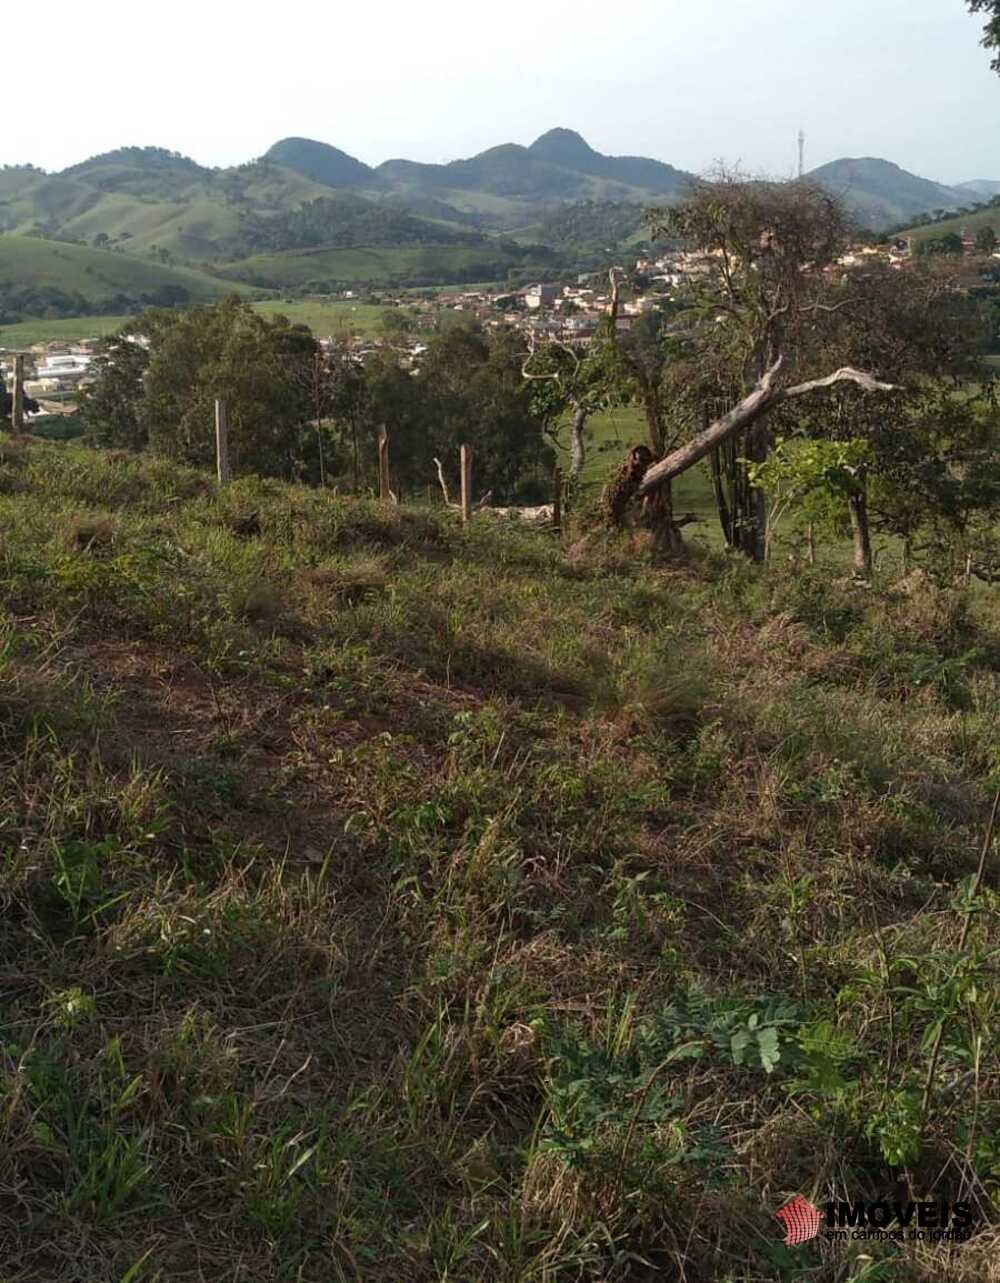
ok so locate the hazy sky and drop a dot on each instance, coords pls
(686, 81)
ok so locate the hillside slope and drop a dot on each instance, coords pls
(100, 280)
(320, 162)
(558, 167)
(961, 224)
(881, 193)
(568, 149)
(320, 270)
(389, 900)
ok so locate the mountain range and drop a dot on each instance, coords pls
(309, 216)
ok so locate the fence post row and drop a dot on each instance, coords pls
(465, 458)
(221, 443)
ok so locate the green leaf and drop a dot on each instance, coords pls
(770, 1050)
(738, 1045)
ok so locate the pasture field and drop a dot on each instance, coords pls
(398, 265)
(62, 329)
(99, 274)
(391, 900)
(325, 317)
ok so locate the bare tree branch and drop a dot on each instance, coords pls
(760, 401)
(444, 485)
(847, 374)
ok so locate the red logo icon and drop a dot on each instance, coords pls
(800, 1219)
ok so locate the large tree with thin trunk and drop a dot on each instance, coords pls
(920, 332)
(571, 382)
(759, 257)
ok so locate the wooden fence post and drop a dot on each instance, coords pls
(383, 464)
(221, 443)
(557, 500)
(465, 459)
(17, 403)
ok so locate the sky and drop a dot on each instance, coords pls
(686, 82)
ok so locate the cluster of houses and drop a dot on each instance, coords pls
(53, 372)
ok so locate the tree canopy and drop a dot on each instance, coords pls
(991, 31)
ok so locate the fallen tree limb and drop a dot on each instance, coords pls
(764, 398)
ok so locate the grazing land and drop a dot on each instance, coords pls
(65, 329)
(98, 275)
(326, 318)
(323, 318)
(400, 265)
(387, 900)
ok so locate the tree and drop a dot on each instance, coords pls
(393, 322)
(160, 392)
(991, 31)
(946, 243)
(913, 329)
(467, 389)
(473, 391)
(761, 298)
(798, 470)
(986, 240)
(112, 407)
(344, 396)
(568, 381)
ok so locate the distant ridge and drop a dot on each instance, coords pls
(309, 216)
(881, 193)
(320, 162)
(568, 148)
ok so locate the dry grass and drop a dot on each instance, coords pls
(385, 900)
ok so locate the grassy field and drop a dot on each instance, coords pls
(322, 318)
(326, 318)
(97, 274)
(961, 224)
(386, 900)
(396, 264)
(63, 329)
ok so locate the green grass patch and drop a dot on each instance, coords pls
(386, 899)
(326, 318)
(96, 274)
(59, 330)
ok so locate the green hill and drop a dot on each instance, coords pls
(39, 276)
(400, 222)
(566, 148)
(322, 270)
(962, 224)
(140, 171)
(386, 899)
(881, 193)
(558, 167)
(320, 162)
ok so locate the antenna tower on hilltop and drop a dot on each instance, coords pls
(802, 152)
